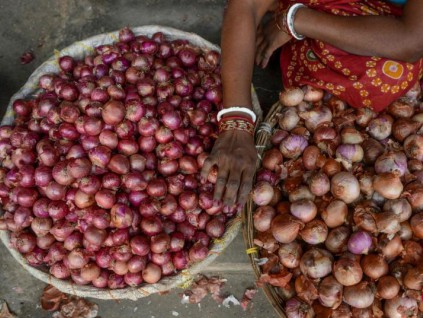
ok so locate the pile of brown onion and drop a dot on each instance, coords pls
(99, 174)
(339, 213)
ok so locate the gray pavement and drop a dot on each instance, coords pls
(45, 25)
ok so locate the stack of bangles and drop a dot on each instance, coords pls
(288, 17)
(237, 122)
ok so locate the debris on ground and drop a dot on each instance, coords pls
(213, 286)
(230, 300)
(27, 57)
(4, 311)
(66, 306)
(202, 287)
(248, 296)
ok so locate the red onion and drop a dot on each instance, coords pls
(188, 200)
(59, 270)
(360, 242)
(314, 232)
(152, 273)
(198, 252)
(121, 216)
(105, 198)
(77, 259)
(413, 146)
(116, 281)
(151, 226)
(215, 228)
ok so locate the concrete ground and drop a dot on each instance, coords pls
(45, 25)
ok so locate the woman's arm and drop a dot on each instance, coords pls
(234, 152)
(395, 38)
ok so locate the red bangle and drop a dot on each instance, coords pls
(247, 119)
(242, 125)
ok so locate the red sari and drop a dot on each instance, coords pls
(361, 81)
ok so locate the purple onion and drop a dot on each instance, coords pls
(360, 242)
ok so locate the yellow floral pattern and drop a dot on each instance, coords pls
(359, 80)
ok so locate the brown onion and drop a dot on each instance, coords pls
(335, 214)
(314, 232)
(291, 96)
(399, 307)
(337, 239)
(388, 185)
(330, 292)
(345, 186)
(285, 228)
(311, 157)
(316, 263)
(374, 266)
(413, 146)
(372, 150)
(388, 287)
(399, 207)
(304, 209)
(262, 193)
(319, 184)
(263, 218)
(290, 254)
(416, 224)
(360, 295)
(347, 271)
(301, 193)
(413, 279)
(390, 248)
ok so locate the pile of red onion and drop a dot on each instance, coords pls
(100, 171)
(339, 207)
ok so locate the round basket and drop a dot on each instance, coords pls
(79, 50)
(263, 134)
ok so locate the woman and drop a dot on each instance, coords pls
(344, 40)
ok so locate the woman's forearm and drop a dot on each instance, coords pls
(384, 36)
(238, 47)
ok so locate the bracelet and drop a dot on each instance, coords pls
(241, 125)
(237, 109)
(247, 119)
(290, 16)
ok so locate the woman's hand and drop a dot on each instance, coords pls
(235, 155)
(269, 39)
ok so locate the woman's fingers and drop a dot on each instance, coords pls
(222, 178)
(232, 186)
(245, 186)
(208, 164)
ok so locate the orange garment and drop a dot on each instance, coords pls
(361, 81)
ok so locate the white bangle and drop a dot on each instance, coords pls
(290, 16)
(238, 109)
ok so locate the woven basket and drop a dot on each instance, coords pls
(79, 50)
(263, 134)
